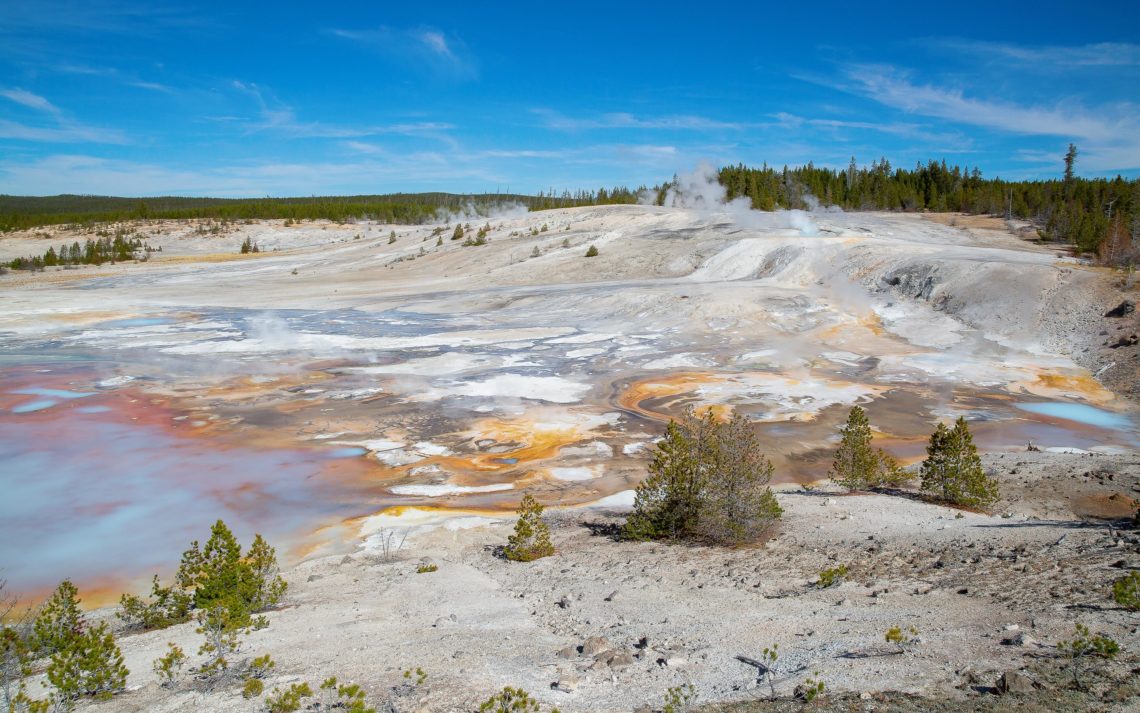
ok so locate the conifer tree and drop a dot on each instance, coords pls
(59, 620)
(707, 481)
(854, 460)
(531, 539)
(91, 664)
(736, 504)
(266, 582)
(953, 471)
(856, 465)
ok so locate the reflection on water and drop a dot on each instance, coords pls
(96, 495)
(100, 479)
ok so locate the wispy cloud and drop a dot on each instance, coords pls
(918, 132)
(623, 120)
(64, 130)
(1110, 134)
(445, 55)
(32, 101)
(66, 134)
(893, 88)
(277, 116)
(1101, 54)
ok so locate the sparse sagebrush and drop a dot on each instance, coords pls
(831, 576)
(1126, 591)
(427, 568)
(592, 251)
(531, 538)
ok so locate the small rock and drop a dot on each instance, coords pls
(564, 602)
(1019, 639)
(621, 659)
(595, 645)
(567, 683)
(1125, 308)
(612, 596)
(314, 577)
(1015, 682)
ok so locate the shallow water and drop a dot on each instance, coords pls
(288, 421)
(1080, 413)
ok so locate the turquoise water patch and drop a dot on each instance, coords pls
(1081, 413)
(136, 322)
(39, 405)
(54, 393)
(348, 452)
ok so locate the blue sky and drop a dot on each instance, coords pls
(292, 98)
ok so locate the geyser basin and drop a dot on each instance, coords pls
(292, 392)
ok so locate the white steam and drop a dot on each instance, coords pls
(700, 190)
(471, 211)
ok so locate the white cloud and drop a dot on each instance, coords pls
(1108, 135)
(32, 101)
(72, 134)
(1101, 54)
(624, 120)
(892, 88)
(275, 115)
(443, 54)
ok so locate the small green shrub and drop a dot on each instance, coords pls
(168, 668)
(897, 635)
(1126, 591)
(679, 699)
(289, 700)
(531, 539)
(260, 667)
(832, 576)
(166, 606)
(415, 677)
(769, 657)
(810, 689)
(592, 251)
(509, 700)
(1085, 645)
(253, 688)
(427, 568)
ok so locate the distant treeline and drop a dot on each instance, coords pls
(24, 212)
(1096, 215)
